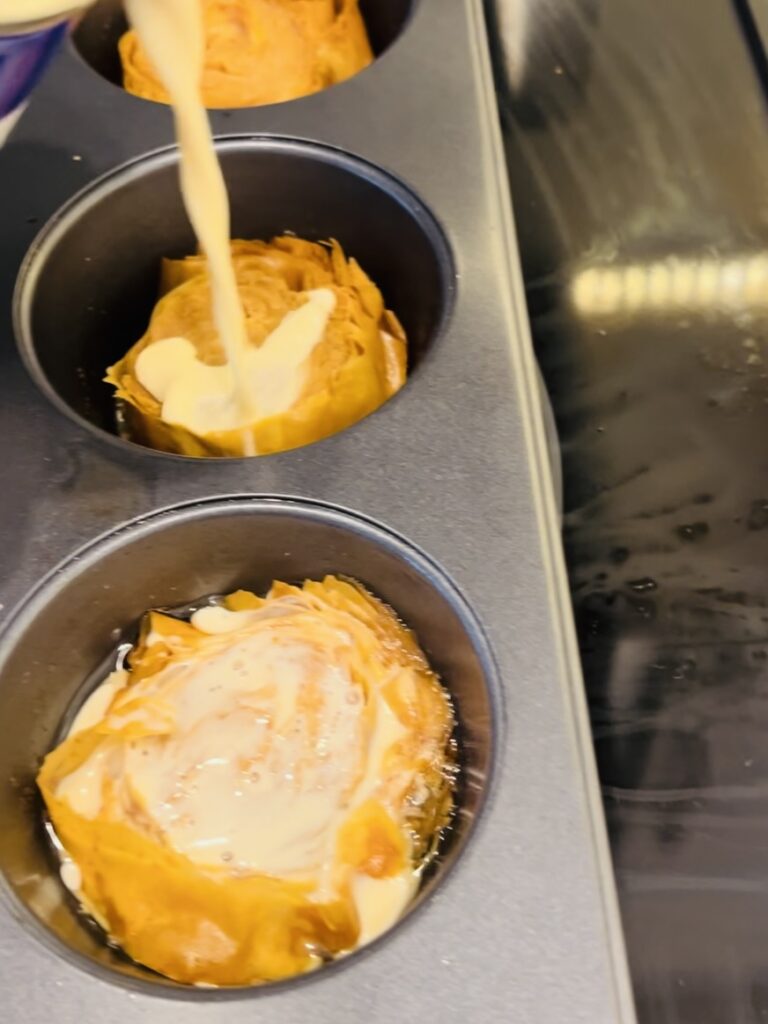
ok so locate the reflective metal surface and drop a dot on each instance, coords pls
(637, 148)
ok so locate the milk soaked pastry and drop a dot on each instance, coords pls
(259, 787)
(323, 352)
(30, 32)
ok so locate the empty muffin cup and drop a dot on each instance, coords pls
(98, 32)
(61, 643)
(90, 281)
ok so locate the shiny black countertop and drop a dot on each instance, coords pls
(638, 152)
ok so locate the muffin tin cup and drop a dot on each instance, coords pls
(527, 929)
(88, 286)
(53, 655)
(97, 33)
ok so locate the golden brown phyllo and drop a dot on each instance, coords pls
(260, 790)
(358, 362)
(264, 51)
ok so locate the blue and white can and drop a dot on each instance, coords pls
(24, 55)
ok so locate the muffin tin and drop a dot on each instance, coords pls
(402, 163)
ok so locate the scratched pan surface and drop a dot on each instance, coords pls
(524, 928)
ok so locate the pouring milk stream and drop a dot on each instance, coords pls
(253, 380)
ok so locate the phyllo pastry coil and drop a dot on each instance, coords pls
(259, 790)
(263, 51)
(323, 353)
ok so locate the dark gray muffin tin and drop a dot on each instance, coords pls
(403, 165)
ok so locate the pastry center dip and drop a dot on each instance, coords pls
(323, 352)
(197, 395)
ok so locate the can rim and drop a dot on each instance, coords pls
(30, 27)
